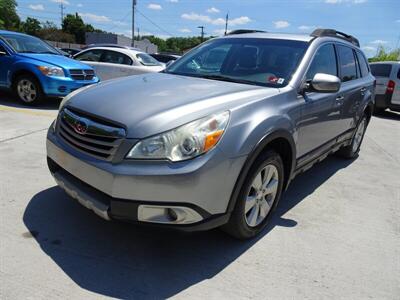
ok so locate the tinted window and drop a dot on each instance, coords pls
(266, 62)
(398, 74)
(28, 44)
(2, 49)
(363, 64)
(90, 55)
(348, 69)
(113, 57)
(381, 70)
(324, 61)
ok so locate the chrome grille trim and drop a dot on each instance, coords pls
(79, 74)
(98, 140)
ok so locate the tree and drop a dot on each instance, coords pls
(50, 32)
(73, 24)
(382, 55)
(9, 18)
(31, 26)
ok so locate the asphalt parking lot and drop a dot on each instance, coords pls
(336, 233)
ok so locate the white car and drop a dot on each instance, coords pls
(113, 62)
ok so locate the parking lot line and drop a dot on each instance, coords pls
(28, 111)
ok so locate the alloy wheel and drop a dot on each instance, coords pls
(27, 90)
(261, 195)
(358, 136)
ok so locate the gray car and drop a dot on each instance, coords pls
(387, 94)
(217, 137)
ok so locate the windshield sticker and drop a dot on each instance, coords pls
(280, 80)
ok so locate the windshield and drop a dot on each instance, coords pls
(28, 44)
(147, 60)
(265, 62)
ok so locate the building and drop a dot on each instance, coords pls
(110, 38)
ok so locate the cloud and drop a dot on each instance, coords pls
(379, 42)
(172, 1)
(368, 49)
(36, 6)
(119, 23)
(305, 28)
(219, 21)
(65, 2)
(281, 24)
(95, 18)
(213, 10)
(345, 1)
(185, 30)
(397, 21)
(154, 6)
(79, 5)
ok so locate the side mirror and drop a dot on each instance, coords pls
(325, 83)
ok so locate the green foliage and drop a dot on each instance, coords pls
(73, 24)
(9, 18)
(31, 26)
(50, 32)
(175, 44)
(382, 55)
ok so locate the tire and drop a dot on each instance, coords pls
(351, 151)
(244, 225)
(27, 89)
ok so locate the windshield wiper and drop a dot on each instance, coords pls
(228, 79)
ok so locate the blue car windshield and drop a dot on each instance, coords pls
(257, 61)
(28, 44)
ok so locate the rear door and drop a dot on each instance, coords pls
(321, 114)
(382, 73)
(5, 65)
(352, 88)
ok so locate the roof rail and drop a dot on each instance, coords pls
(242, 31)
(334, 33)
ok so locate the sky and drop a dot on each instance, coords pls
(373, 22)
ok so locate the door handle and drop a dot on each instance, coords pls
(339, 98)
(363, 90)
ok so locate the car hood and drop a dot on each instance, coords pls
(149, 104)
(56, 60)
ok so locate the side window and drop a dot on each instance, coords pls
(381, 70)
(363, 64)
(348, 69)
(90, 55)
(2, 49)
(324, 61)
(398, 74)
(113, 57)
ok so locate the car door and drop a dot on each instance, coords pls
(5, 63)
(320, 122)
(352, 88)
(92, 58)
(396, 79)
(116, 64)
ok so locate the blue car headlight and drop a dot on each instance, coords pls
(51, 71)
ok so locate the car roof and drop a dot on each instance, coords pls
(129, 52)
(385, 62)
(268, 35)
(13, 32)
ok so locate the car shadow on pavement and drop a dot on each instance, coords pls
(126, 261)
(388, 115)
(8, 99)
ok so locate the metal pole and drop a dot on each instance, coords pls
(62, 13)
(133, 22)
(202, 32)
(226, 24)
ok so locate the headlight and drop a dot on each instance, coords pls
(51, 71)
(184, 142)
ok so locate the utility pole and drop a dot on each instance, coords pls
(226, 23)
(138, 34)
(202, 32)
(62, 7)
(133, 22)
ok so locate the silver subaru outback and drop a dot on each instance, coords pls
(217, 137)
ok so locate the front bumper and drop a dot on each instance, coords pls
(62, 86)
(117, 191)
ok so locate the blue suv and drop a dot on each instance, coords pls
(34, 70)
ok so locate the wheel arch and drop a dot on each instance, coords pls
(280, 141)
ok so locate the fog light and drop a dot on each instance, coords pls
(168, 214)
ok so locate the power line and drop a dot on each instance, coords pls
(148, 19)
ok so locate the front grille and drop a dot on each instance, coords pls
(89, 136)
(78, 74)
